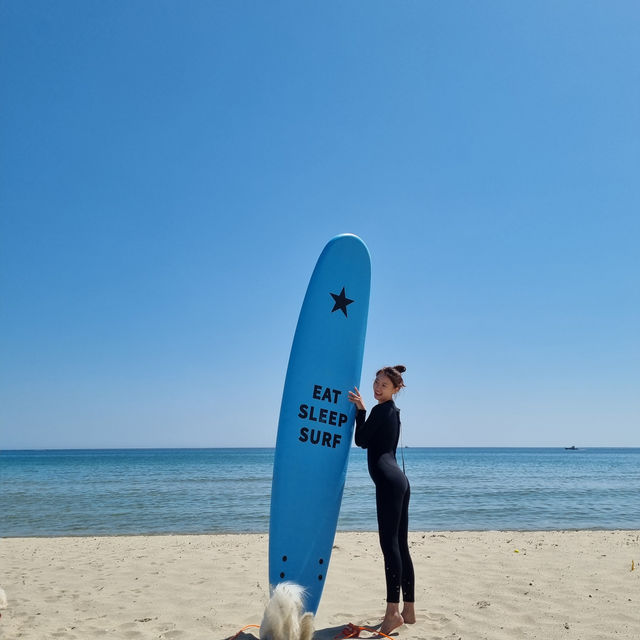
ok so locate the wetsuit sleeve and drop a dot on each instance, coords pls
(367, 428)
(361, 415)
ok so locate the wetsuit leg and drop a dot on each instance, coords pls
(390, 502)
(408, 579)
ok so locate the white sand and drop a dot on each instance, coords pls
(565, 585)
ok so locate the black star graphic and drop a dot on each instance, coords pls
(341, 302)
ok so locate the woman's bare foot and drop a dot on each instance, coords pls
(392, 619)
(409, 613)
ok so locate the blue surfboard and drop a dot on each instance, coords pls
(316, 419)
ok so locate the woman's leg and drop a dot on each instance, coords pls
(389, 508)
(389, 512)
(408, 578)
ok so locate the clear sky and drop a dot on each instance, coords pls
(170, 172)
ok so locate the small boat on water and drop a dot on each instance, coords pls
(572, 448)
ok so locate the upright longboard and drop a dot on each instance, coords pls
(316, 419)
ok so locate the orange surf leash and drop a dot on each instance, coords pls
(248, 626)
(354, 631)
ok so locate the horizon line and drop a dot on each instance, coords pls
(205, 448)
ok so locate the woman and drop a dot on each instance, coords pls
(379, 434)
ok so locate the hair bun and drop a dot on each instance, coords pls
(400, 368)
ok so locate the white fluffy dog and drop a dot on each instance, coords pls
(283, 618)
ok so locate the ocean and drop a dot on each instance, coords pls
(160, 491)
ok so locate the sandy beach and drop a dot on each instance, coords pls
(471, 585)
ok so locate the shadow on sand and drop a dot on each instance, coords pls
(329, 633)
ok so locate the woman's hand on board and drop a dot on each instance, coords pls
(356, 398)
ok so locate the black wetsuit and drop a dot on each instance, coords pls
(379, 434)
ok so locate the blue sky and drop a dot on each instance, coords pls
(170, 171)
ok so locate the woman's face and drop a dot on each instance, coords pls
(383, 388)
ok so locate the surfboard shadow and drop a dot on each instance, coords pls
(335, 633)
(329, 633)
(243, 635)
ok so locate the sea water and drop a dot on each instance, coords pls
(153, 491)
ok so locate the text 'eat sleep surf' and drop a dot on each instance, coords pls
(322, 415)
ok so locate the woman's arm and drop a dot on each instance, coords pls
(362, 438)
(362, 433)
(366, 429)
